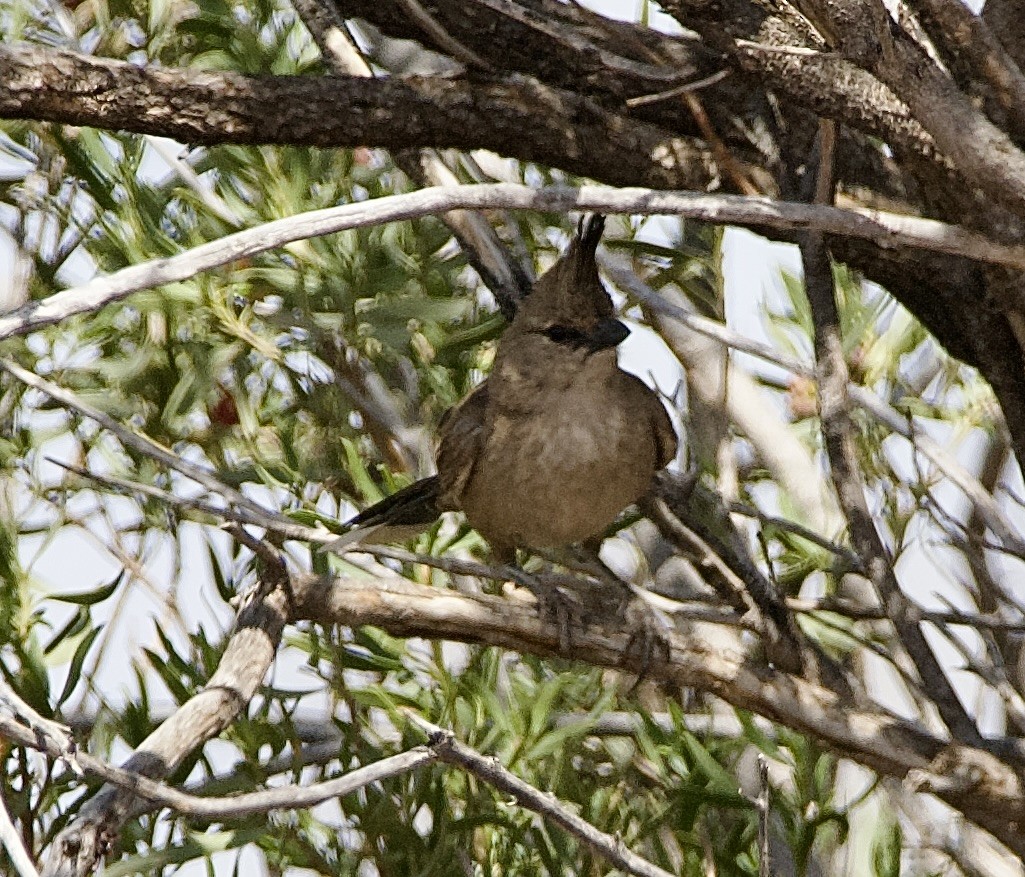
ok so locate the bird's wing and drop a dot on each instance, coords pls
(662, 433)
(396, 518)
(666, 441)
(463, 432)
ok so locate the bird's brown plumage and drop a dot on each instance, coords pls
(558, 440)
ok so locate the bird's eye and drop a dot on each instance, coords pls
(565, 335)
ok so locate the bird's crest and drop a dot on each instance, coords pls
(570, 291)
(589, 232)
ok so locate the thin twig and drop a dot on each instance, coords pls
(491, 771)
(442, 38)
(292, 797)
(221, 511)
(749, 511)
(839, 438)
(14, 845)
(762, 803)
(57, 735)
(861, 613)
(647, 99)
(140, 443)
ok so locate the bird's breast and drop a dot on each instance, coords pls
(562, 470)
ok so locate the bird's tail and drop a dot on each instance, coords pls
(396, 518)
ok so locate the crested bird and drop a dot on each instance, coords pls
(556, 442)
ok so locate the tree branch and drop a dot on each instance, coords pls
(978, 784)
(140, 443)
(885, 229)
(248, 654)
(491, 771)
(11, 841)
(968, 38)
(980, 151)
(838, 433)
(522, 118)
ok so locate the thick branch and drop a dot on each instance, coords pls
(567, 46)
(978, 784)
(248, 655)
(969, 40)
(980, 151)
(524, 119)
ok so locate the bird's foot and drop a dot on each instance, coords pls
(556, 604)
(586, 559)
(649, 643)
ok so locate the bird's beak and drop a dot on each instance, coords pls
(608, 333)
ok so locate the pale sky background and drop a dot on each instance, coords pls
(72, 562)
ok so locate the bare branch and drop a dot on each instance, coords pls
(984, 788)
(885, 229)
(138, 442)
(58, 736)
(12, 842)
(196, 106)
(153, 794)
(865, 32)
(762, 802)
(491, 771)
(291, 797)
(838, 431)
(249, 652)
(968, 36)
(862, 613)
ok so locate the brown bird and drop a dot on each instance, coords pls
(557, 441)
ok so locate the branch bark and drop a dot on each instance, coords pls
(194, 106)
(971, 44)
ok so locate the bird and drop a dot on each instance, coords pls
(556, 442)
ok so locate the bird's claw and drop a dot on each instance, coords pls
(558, 605)
(648, 643)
